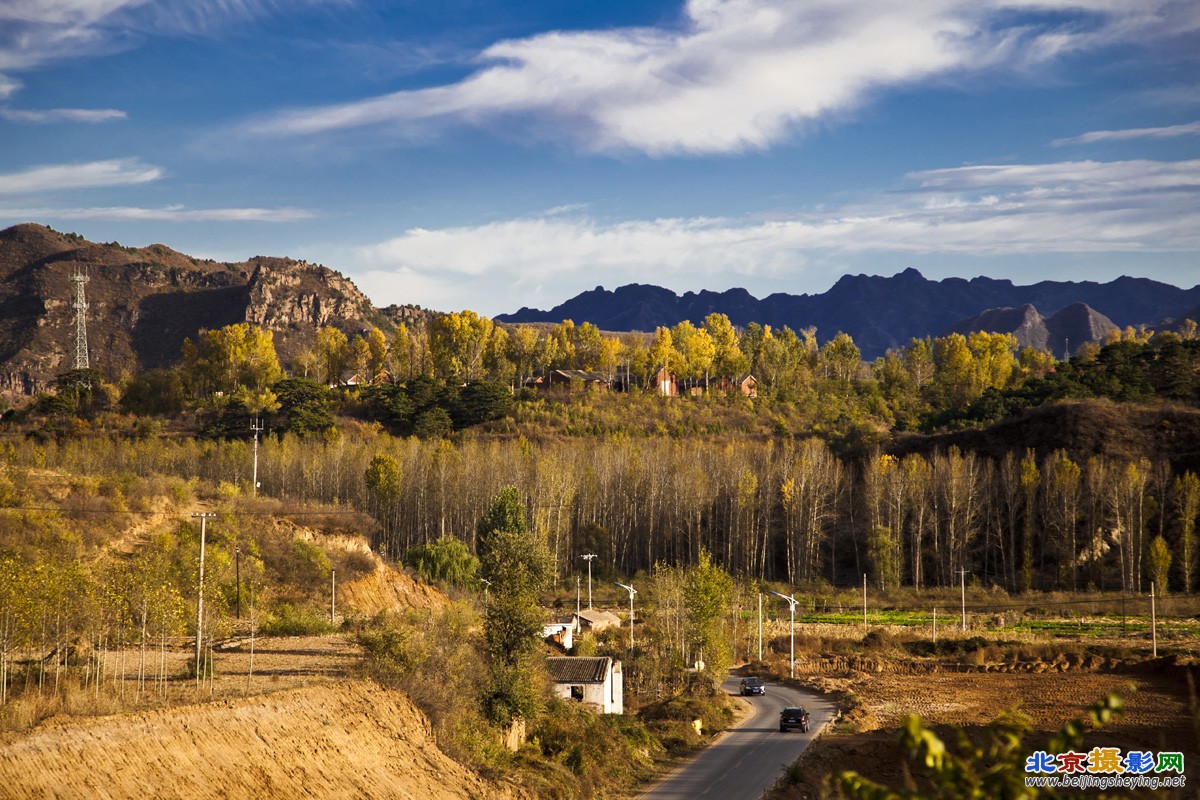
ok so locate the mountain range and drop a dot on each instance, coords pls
(144, 301)
(878, 312)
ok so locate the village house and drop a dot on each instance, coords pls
(594, 620)
(596, 682)
(563, 380)
(561, 633)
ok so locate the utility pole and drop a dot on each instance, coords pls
(963, 578)
(864, 599)
(1153, 621)
(237, 566)
(200, 596)
(332, 596)
(791, 601)
(588, 558)
(578, 626)
(632, 591)
(257, 427)
(760, 627)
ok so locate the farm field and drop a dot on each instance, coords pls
(971, 679)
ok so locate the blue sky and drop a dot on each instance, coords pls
(489, 155)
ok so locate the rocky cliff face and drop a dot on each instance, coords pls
(1061, 334)
(143, 303)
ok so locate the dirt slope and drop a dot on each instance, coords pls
(338, 740)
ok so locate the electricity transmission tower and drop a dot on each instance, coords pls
(80, 305)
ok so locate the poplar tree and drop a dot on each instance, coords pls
(516, 562)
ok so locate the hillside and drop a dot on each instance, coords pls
(346, 739)
(1061, 333)
(1082, 429)
(143, 302)
(878, 312)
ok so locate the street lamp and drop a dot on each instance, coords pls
(588, 558)
(632, 591)
(791, 601)
(486, 585)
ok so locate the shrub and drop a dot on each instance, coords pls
(286, 619)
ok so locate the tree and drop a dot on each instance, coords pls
(459, 342)
(1187, 507)
(707, 594)
(1158, 564)
(728, 359)
(841, 358)
(586, 340)
(383, 487)
(1030, 478)
(522, 351)
(446, 562)
(1063, 480)
(235, 358)
(333, 352)
(377, 353)
(303, 406)
(663, 354)
(695, 348)
(517, 563)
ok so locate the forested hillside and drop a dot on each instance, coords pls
(808, 481)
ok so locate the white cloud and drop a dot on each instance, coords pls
(744, 74)
(37, 32)
(1069, 207)
(167, 214)
(91, 115)
(1167, 132)
(90, 175)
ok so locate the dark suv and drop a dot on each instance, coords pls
(793, 717)
(753, 686)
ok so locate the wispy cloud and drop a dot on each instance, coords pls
(90, 175)
(90, 115)
(167, 214)
(1167, 132)
(37, 32)
(743, 74)
(1069, 207)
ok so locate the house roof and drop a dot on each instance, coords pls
(580, 374)
(592, 616)
(575, 669)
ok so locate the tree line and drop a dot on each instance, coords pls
(783, 509)
(455, 371)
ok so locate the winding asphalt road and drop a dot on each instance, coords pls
(746, 761)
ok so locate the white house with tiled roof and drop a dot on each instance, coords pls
(597, 682)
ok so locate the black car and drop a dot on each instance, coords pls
(793, 717)
(753, 686)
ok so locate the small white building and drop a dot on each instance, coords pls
(597, 682)
(561, 633)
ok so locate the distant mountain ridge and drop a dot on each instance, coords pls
(878, 312)
(1060, 334)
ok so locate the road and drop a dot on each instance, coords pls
(746, 761)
